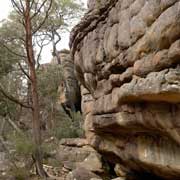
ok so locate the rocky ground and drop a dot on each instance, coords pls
(75, 160)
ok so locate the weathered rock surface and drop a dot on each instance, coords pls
(75, 155)
(127, 58)
(119, 178)
(93, 163)
(69, 89)
(73, 151)
(81, 174)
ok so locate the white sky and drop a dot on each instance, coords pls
(5, 7)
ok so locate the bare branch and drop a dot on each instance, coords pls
(59, 37)
(41, 45)
(41, 39)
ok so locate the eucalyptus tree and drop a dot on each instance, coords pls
(32, 23)
(26, 14)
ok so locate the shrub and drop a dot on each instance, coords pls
(19, 173)
(23, 145)
(67, 127)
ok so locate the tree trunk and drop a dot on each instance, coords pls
(34, 92)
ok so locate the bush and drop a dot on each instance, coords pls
(67, 127)
(19, 173)
(23, 145)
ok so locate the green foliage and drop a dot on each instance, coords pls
(20, 173)
(11, 84)
(77, 123)
(53, 162)
(66, 127)
(7, 107)
(23, 145)
(10, 76)
(12, 29)
(62, 14)
(49, 79)
(11, 42)
(6, 62)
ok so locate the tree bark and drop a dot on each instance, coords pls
(34, 92)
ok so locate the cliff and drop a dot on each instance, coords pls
(69, 90)
(127, 55)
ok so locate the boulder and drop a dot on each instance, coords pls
(92, 163)
(81, 174)
(120, 171)
(73, 151)
(73, 142)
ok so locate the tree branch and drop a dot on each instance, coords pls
(41, 45)
(38, 57)
(43, 21)
(22, 6)
(11, 51)
(13, 99)
(59, 37)
(32, 4)
(25, 73)
(13, 124)
(16, 7)
(39, 9)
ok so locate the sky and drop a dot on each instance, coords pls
(5, 7)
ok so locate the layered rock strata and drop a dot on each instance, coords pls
(79, 160)
(127, 56)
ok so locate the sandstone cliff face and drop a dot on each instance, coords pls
(69, 89)
(127, 56)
